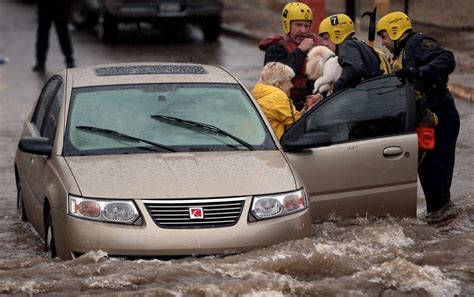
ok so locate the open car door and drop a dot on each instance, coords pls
(357, 151)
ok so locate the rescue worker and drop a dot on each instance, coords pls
(423, 61)
(292, 48)
(357, 59)
(57, 12)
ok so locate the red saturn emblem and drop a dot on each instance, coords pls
(196, 213)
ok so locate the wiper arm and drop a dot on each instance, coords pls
(119, 135)
(203, 127)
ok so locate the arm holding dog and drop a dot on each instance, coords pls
(358, 62)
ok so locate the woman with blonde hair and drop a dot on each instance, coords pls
(272, 91)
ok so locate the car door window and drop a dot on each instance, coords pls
(50, 122)
(375, 108)
(44, 101)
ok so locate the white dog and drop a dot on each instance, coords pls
(323, 68)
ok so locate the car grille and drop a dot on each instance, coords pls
(176, 214)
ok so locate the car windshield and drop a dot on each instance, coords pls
(163, 118)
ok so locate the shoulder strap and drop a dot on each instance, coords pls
(385, 67)
(384, 61)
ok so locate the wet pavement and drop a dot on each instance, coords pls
(357, 257)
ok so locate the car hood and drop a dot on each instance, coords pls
(182, 175)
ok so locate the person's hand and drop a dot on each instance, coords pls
(312, 100)
(306, 44)
(411, 74)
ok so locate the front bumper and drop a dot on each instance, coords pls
(75, 235)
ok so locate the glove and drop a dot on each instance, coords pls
(411, 74)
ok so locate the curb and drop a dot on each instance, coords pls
(241, 32)
(461, 91)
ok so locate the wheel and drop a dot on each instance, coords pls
(108, 28)
(19, 201)
(211, 28)
(82, 16)
(49, 242)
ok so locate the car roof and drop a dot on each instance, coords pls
(148, 72)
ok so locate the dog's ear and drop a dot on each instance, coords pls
(314, 67)
(311, 67)
(319, 67)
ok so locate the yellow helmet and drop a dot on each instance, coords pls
(295, 11)
(338, 26)
(395, 23)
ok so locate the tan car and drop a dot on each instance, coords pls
(158, 159)
(154, 159)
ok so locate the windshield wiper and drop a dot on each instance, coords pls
(119, 135)
(200, 126)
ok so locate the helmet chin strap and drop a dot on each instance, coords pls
(395, 46)
(288, 37)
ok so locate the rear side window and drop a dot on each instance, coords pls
(44, 102)
(48, 129)
(375, 108)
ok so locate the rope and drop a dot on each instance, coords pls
(422, 157)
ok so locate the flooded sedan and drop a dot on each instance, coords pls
(154, 160)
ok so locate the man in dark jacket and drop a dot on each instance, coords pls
(292, 48)
(50, 11)
(423, 61)
(358, 61)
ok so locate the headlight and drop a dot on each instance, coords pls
(270, 206)
(113, 211)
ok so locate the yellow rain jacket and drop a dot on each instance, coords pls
(277, 107)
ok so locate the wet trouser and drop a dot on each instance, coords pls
(45, 18)
(436, 168)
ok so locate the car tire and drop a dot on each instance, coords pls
(82, 16)
(211, 28)
(108, 28)
(19, 201)
(49, 240)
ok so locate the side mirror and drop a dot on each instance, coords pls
(36, 145)
(307, 140)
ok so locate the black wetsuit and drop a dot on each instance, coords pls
(358, 62)
(435, 63)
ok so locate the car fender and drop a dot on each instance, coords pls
(61, 183)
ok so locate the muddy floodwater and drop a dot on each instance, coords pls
(343, 257)
(356, 257)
